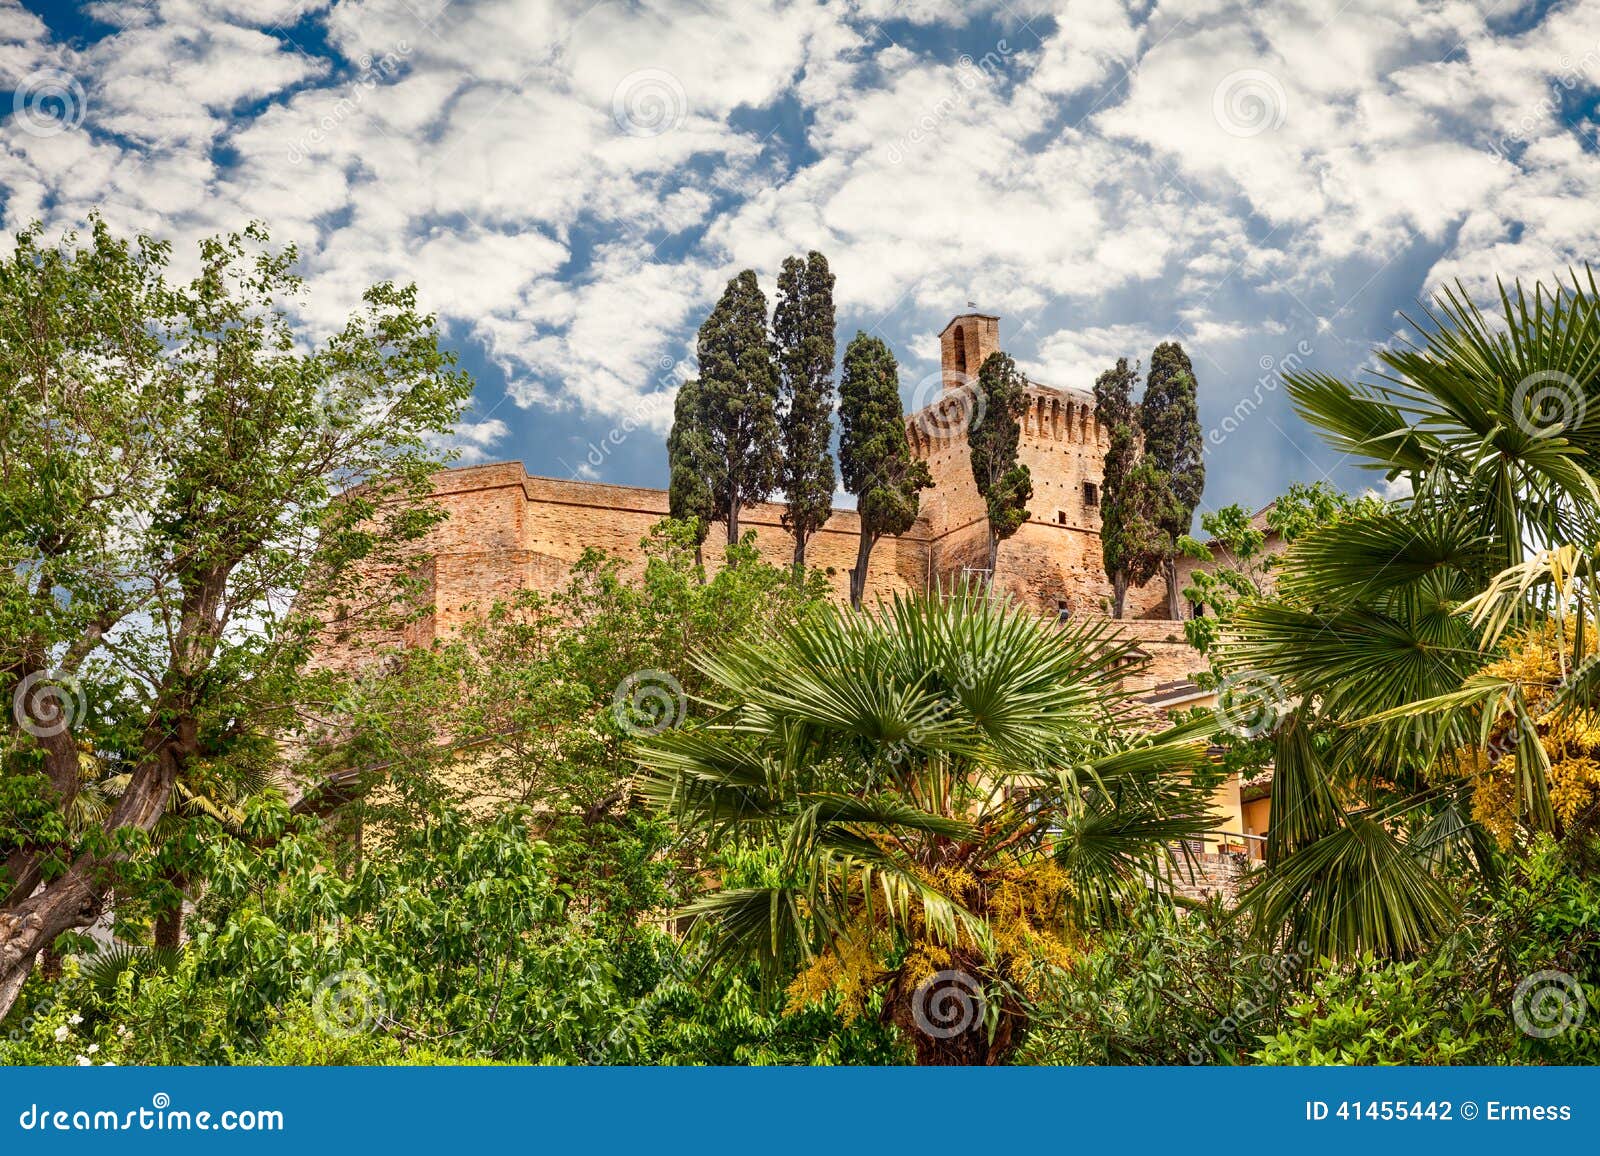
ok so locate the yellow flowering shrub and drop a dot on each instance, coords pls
(1024, 906)
(1570, 737)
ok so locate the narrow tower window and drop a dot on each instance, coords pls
(961, 350)
(1091, 494)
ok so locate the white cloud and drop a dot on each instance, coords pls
(1084, 178)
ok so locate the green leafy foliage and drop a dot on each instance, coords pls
(187, 494)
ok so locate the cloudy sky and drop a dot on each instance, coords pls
(571, 185)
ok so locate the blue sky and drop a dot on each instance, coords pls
(571, 185)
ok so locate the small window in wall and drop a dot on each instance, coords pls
(1061, 517)
(1091, 494)
(1063, 611)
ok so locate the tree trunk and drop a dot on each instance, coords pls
(1119, 593)
(945, 1019)
(733, 522)
(799, 553)
(76, 898)
(994, 552)
(32, 925)
(858, 576)
(1170, 569)
(169, 924)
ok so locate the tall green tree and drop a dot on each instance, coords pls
(689, 464)
(1005, 483)
(738, 401)
(187, 496)
(802, 325)
(1170, 419)
(874, 454)
(1113, 409)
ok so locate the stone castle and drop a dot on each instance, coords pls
(509, 530)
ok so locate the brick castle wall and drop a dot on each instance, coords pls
(508, 531)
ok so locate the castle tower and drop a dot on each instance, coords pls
(965, 344)
(1053, 562)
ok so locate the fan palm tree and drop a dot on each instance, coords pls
(931, 802)
(1374, 635)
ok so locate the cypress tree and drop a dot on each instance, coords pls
(1170, 418)
(1005, 484)
(874, 455)
(1113, 408)
(738, 401)
(689, 462)
(802, 325)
